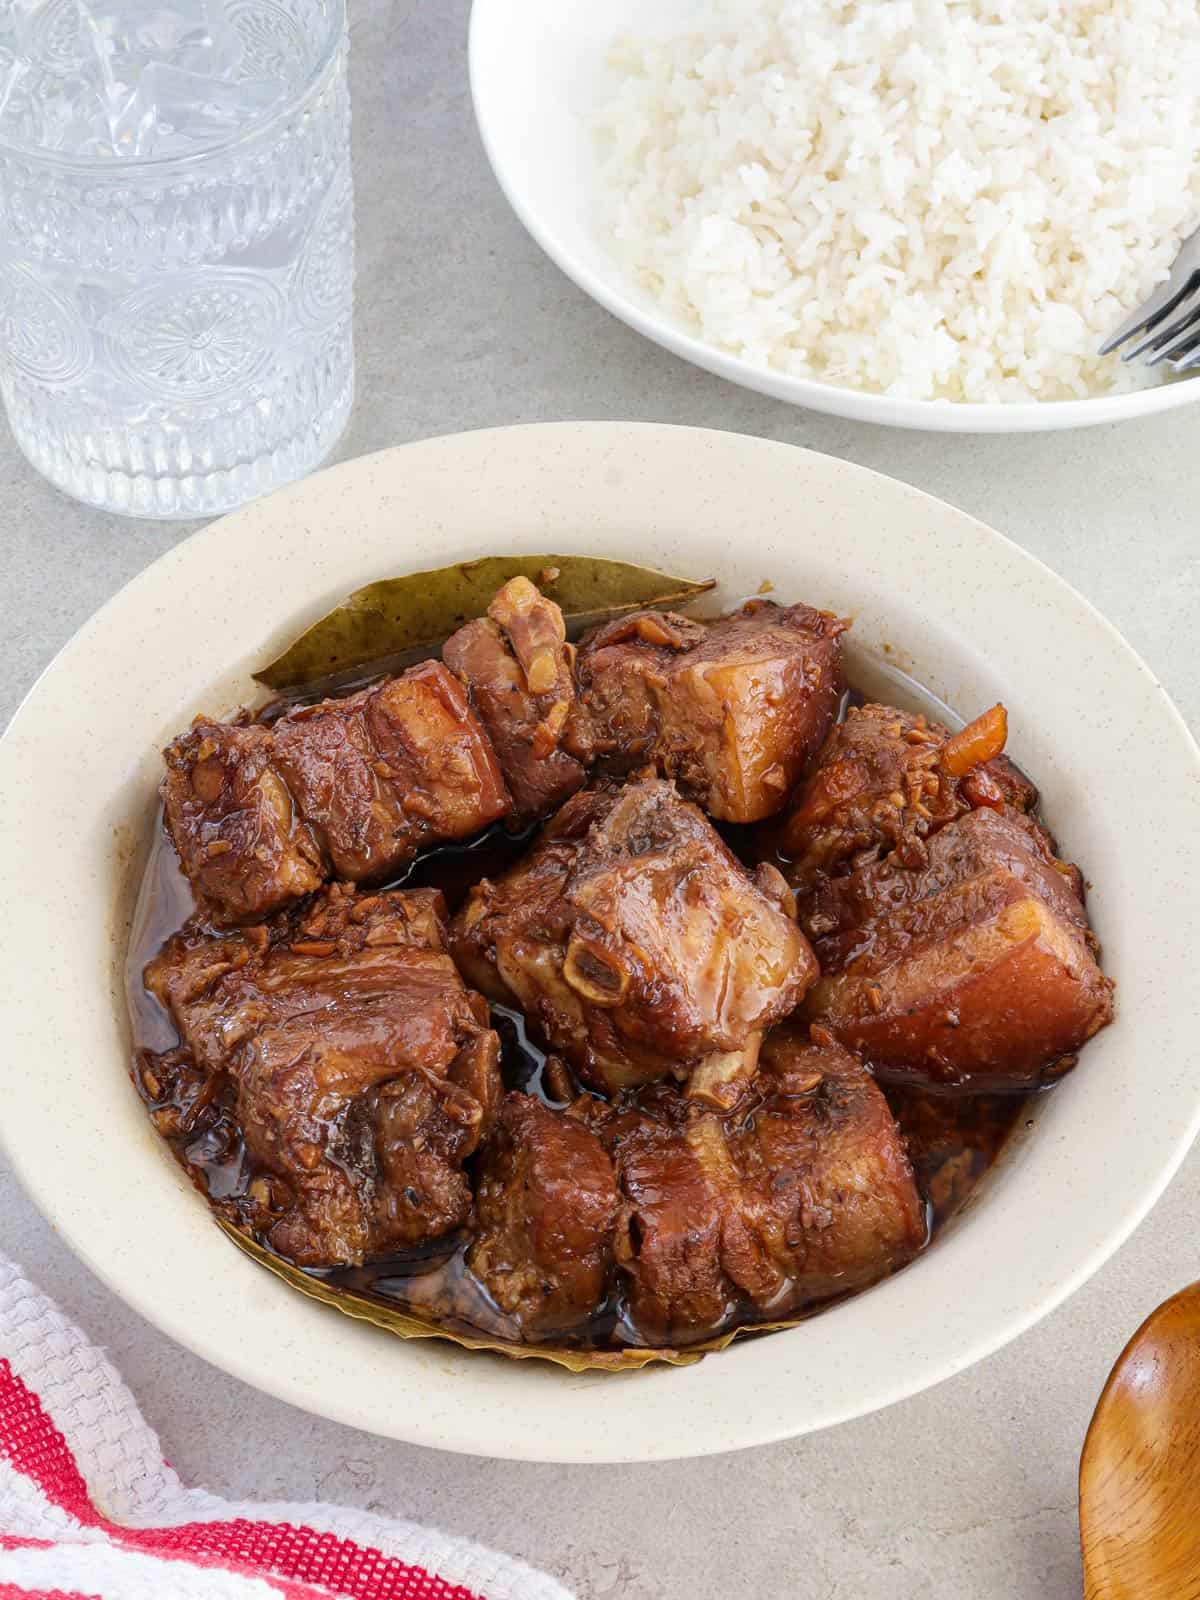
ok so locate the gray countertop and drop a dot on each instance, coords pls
(462, 323)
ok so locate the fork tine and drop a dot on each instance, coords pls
(1187, 361)
(1168, 326)
(1150, 312)
(1184, 336)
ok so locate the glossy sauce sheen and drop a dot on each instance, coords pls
(952, 1142)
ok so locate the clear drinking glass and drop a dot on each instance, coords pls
(176, 245)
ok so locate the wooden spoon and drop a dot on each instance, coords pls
(1139, 1475)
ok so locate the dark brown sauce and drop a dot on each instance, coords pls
(456, 868)
(953, 1142)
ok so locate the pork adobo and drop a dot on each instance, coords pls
(977, 968)
(546, 1206)
(635, 941)
(686, 1216)
(805, 1191)
(731, 709)
(362, 1070)
(660, 1075)
(349, 788)
(886, 782)
(517, 667)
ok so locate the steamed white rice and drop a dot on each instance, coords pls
(930, 198)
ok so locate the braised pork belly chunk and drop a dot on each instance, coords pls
(636, 943)
(803, 1193)
(731, 710)
(977, 969)
(353, 787)
(546, 1207)
(364, 1071)
(831, 1157)
(679, 1218)
(517, 667)
(229, 811)
(885, 780)
(384, 773)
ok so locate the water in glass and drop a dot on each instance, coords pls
(176, 245)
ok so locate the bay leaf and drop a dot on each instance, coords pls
(404, 1324)
(388, 625)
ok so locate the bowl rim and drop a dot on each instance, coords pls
(488, 19)
(597, 448)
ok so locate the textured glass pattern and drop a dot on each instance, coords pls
(175, 333)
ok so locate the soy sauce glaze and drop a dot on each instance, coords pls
(953, 1142)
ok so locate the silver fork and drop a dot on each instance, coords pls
(1170, 318)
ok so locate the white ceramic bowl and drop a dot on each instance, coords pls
(537, 77)
(962, 608)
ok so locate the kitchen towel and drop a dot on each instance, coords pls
(89, 1510)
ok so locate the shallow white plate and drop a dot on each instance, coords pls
(932, 591)
(537, 76)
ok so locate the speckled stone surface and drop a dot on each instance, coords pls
(966, 1490)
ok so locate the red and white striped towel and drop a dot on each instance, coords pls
(90, 1511)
